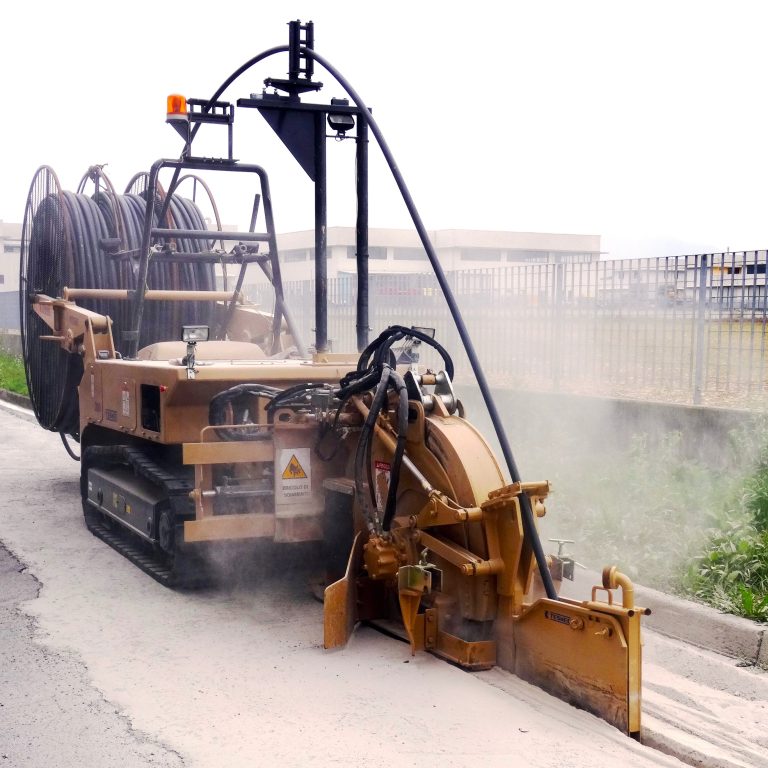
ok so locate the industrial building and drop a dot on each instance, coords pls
(400, 250)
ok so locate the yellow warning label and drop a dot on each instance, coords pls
(294, 470)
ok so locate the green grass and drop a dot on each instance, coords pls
(671, 521)
(12, 375)
(731, 573)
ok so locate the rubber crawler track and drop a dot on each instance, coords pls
(186, 569)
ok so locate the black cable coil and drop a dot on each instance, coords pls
(93, 241)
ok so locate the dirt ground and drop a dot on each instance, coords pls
(94, 649)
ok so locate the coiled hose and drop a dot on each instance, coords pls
(76, 240)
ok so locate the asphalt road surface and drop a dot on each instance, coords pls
(101, 666)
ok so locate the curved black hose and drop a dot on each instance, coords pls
(367, 372)
(364, 361)
(363, 455)
(68, 447)
(381, 370)
(529, 524)
(217, 406)
(364, 113)
(391, 335)
(353, 384)
(290, 394)
(217, 410)
(384, 351)
(397, 460)
(231, 79)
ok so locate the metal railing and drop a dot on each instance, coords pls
(687, 329)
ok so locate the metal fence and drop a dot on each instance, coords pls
(688, 329)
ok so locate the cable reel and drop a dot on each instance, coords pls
(92, 239)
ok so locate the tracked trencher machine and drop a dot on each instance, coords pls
(204, 421)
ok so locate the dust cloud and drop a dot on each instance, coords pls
(634, 483)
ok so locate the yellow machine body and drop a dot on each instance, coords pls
(454, 574)
(487, 610)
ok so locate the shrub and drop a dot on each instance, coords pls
(731, 574)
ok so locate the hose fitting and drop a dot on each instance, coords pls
(613, 578)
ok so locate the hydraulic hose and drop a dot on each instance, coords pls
(362, 455)
(218, 410)
(381, 345)
(397, 460)
(529, 524)
(231, 79)
(364, 113)
(291, 394)
(360, 381)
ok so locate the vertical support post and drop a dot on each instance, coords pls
(294, 55)
(700, 330)
(131, 334)
(321, 237)
(558, 310)
(230, 138)
(361, 232)
(275, 276)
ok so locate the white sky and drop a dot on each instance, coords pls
(642, 122)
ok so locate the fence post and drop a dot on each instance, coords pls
(558, 319)
(700, 331)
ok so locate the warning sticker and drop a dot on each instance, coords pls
(294, 469)
(381, 481)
